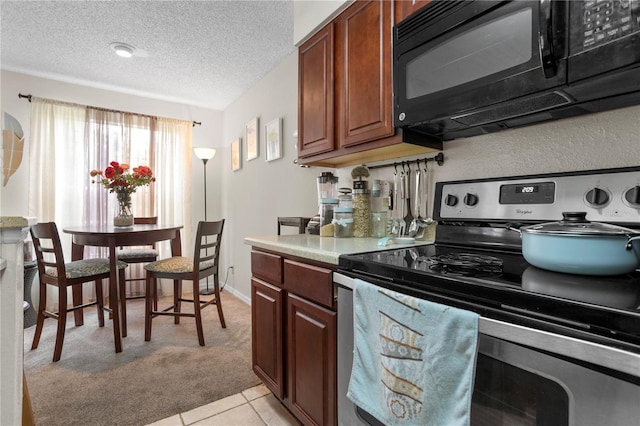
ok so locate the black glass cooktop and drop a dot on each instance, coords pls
(496, 283)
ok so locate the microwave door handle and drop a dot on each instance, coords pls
(549, 64)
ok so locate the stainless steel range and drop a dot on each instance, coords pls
(554, 348)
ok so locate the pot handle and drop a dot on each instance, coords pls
(630, 239)
(514, 227)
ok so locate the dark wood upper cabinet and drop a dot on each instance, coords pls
(365, 99)
(316, 93)
(345, 105)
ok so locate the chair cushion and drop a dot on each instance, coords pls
(176, 264)
(136, 253)
(85, 268)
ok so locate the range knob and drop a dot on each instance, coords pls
(471, 199)
(633, 196)
(597, 197)
(451, 200)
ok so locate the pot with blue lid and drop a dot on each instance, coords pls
(575, 245)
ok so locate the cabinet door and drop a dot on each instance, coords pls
(316, 94)
(266, 335)
(311, 361)
(363, 73)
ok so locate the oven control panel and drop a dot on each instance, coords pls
(610, 195)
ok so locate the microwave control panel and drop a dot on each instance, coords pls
(604, 21)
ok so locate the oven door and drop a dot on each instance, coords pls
(515, 383)
(454, 61)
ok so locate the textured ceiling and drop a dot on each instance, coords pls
(203, 53)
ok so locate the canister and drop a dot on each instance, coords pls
(327, 186)
(343, 222)
(327, 206)
(345, 199)
(379, 224)
(361, 213)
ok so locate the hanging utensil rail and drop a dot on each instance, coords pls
(439, 159)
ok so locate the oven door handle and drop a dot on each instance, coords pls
(546, 40)
(594, 353)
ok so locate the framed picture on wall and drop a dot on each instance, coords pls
(236, 157)
(251, 133)
(273, 136)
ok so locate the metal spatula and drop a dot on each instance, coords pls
(408, 216)
(414, 226)
(395, 214)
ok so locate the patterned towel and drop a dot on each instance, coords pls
(414, 360)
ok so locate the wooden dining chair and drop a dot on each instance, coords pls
(136, 255)
(296, 222)
(178, 268)
(53, 271)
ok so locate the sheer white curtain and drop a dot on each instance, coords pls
(172, 142)
(57, 172)
(122, 137)
(68, 141)
(58, 180)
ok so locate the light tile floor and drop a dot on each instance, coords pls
(253, 407)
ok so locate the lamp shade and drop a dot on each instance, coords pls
(204, 153)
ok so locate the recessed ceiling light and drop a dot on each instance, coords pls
(122, 49)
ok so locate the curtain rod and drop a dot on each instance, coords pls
(193, 123)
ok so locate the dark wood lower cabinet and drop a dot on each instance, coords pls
(266, 335)
(311, 335)
(294, 333)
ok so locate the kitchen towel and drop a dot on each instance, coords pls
(414, 360)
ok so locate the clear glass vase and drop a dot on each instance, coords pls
(123, 216)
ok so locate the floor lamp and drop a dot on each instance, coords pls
(205, 154)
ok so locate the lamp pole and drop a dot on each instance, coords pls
(205, 154)
(204, 167)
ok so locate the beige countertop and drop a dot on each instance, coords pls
(322, 249)
(15, 228)
(16, 221)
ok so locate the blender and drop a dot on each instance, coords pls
(327, 190)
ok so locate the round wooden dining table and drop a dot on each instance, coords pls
(107, 235)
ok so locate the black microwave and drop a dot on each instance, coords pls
(464, 68)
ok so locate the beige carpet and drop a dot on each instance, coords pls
(147, 381)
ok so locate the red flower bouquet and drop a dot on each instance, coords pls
(119, 179)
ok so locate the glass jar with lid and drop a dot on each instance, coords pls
(379, 224)
(345, 200)
(361, 211)
(343, 222)
(327, 206)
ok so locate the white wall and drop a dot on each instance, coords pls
(14, 196)
(311, 15)
(254, 196)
